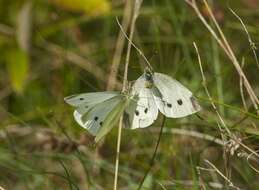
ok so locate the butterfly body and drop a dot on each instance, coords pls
(149, 83)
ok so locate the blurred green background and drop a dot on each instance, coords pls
(55, 48)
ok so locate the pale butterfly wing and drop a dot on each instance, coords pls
(86, 101)
(175, 100)
(142, 111)
(113, 117)
(94, 118)
(89, 98)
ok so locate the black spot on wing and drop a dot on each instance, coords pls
(81, 99)
(136, 112)
(146, 109)
(169, 105)
(95, 118)
(180, 102)
(101, 123)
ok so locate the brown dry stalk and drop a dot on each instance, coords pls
(204, 81)
(234, 59)
(251, 43)
(223, 136)
(224, 44)
(136, 9)
(233, 137)
(242, 88)
(230, 183)
(119, 47)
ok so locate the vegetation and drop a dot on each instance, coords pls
(52, 49)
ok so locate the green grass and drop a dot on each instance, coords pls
(42, 147)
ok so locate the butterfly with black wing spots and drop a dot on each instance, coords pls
(159, 92)
(143, 111)
(152, 92)
(98, 112)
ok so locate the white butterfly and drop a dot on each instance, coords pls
(98, 112)
(157, 91)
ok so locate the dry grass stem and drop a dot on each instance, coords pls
(252, 44)
(233, 58)
(136, 9)
(204, 83)
(119, 46)
(248, 161)
(138, 50)
(222, 122)
(230, 183)
(189, 183)
(232, 137)
(221, 39)
(132, 28)
(241, 86)
(191, 133)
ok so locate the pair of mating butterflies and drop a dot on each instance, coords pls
(98, 112)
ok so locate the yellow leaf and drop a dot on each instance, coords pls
(17, 66)
(90, 7)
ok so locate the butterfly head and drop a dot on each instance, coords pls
(148, 74)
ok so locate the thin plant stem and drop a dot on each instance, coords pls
(219, 82)
(248, 158)
(230, 183)
(204, 81)
(251, 43)
(233, 58)
(119, 46)
(136, 9)
(138, 50)
(223, 136)
(77, 153)
(70, 182)
(154, 154)
(241, 87)
(117, 154)
(222, 41)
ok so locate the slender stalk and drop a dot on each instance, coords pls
(217, 112)
(124, 87)
(119, 46)
(204, 81)
(235, 62)
(251, 43)
(219, 81)
(242, 88)
(138, 50)
(154, 154)
(229, 182)
(117, 155)
(222, 41)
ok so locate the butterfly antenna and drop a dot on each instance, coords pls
(139, 51)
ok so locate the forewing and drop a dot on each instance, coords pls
(142, 111)
(174, 100)
(112, 118)
(91, 98)
(94, 118)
